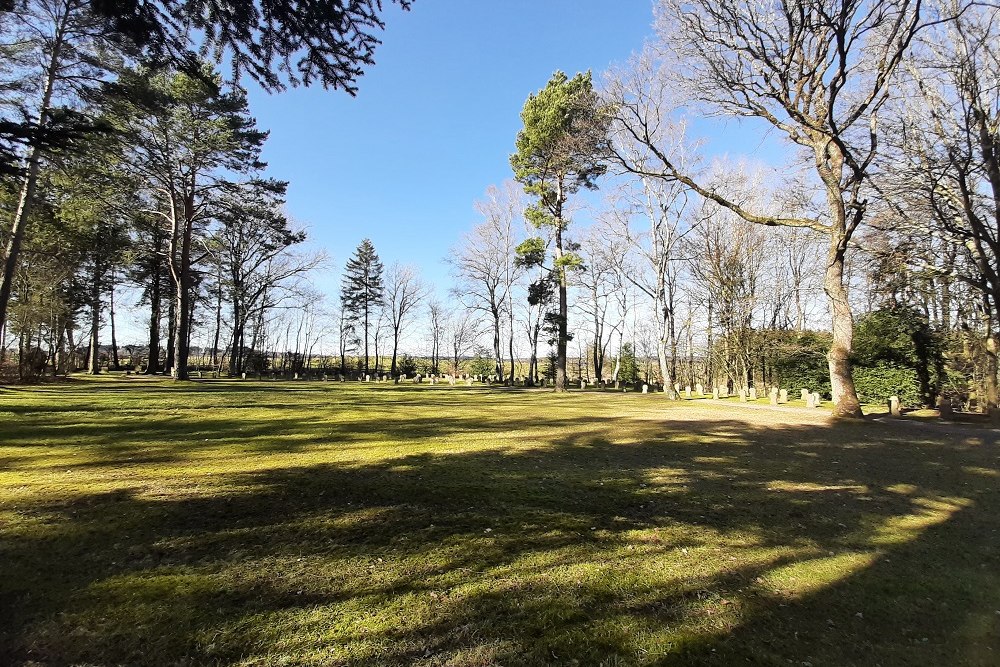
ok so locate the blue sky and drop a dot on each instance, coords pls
(435, 119)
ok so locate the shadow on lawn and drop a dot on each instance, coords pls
(284, 555)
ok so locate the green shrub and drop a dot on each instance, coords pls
(875, 384)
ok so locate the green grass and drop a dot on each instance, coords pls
(143, 523)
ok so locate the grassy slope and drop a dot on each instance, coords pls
(315, 523)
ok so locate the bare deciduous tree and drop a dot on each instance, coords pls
(818, 71)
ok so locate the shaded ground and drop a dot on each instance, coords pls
(316, 523)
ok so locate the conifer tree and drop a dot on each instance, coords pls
(557, 154)
(362, 288)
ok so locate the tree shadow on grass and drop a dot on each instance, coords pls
(692, 542)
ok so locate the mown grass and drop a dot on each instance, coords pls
(143, 523)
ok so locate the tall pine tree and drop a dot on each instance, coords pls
(362, 288)
(558, 153)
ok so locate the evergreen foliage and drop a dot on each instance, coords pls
(362, 289)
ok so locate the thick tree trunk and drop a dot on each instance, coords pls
(845, 396)
(395, 348)
(497, 350)
(990, 380)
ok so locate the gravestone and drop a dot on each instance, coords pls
(805, 393)
(743, 396)
(687, 391)
(810, 400)
(944, 407)
(368, 378)
(699, 389)
(583, 384)
(724, 391)
(645, 388)
(894, 408)
(783, 396)
(468, 382)
(753, 393)
(715, 393)
(816, 399)
(244, 376)
(677, 387)
(774, 397)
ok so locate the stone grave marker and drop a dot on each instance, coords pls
(894, 407)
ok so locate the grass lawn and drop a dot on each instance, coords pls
(143, 523)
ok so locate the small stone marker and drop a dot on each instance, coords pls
(753, 393)
(783, 396)
(816, 399)
(700, 389)
(368, 378)
(677, 387)
(687, 391)
(774, 398)
(724, 391)
(805, 393)
(244, 376)
(894, 408)
(583, 384)
(468, 382)
(810, 400)
(944, 407)
(715, 393)
(743, 396)
(645, 388)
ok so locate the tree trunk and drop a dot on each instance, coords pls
(116, 362)
(497, 351)
(845, 396)
(94, 356)
(395, 348)
(30, 181)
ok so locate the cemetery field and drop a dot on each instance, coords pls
(310, 523)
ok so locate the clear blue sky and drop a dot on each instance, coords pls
(435, 119)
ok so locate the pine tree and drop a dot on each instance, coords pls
(558, 153)
(362, 288)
